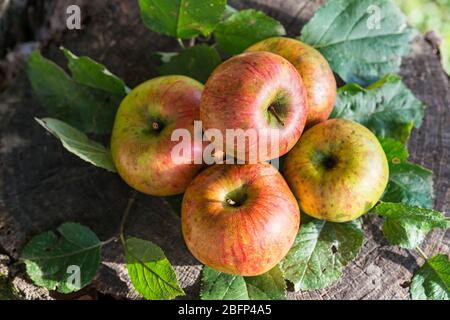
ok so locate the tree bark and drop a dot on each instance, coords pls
(42, 185)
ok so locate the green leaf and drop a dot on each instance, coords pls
(268, 286)
(150, 271)
(410, 184)
(182, 19)
(84, 107)
(388, 107)
(357, 47)
(90, 73)
(432, 280)
(79, 144)
(320, 252)
(407, 226)
(245, 28)
(221, 286)
(396, 151)
(197, 62)
(52, 259)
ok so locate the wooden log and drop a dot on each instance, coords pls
(42, 185)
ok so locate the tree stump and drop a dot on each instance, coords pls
(42, 185)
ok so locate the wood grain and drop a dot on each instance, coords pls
(42, 185)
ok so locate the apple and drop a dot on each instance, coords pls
(338, 170)
(261, 94)
(239, 219)
(141, 143)
(313, 68)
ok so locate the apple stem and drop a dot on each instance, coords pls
(120, 234)
(424, 256)
(276, 115)
(125, 216)
(231, 202)
(180, 42)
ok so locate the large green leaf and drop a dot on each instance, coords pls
(320, 252)
(84, 107)
(182, 18)
(407, 226)
(197, 62)
(79, 144)
(93, 74)
(432, 280)
(221, 286)
(387, 107)
(395, 151)
(65, 261)
(244, 28)
(362, 39)
(411, 184)
(408, 183)
(268, 286)
(150, 271)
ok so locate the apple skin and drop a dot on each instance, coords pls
(260, 91)
(315, 71)
(338, 170)
(141, 138)
(250, 237)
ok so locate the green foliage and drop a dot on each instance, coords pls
(49, 258)
(244, 28)
(387, 107)
(79, 144)
(197, 62)
(407, 226)
(411, 184)
(432, 280)
(268, 286)
(80, 101)
(150, 271)
(221, 286)
(320, 252)
(357, 47)
(395, 151)
(408, 183)
(182, 19)
(90, 73)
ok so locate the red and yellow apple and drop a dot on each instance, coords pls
(338, 170)
(239, 219)
(257, 92)
(141, 143)
(313, 68)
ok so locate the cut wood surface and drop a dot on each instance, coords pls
(42, 185)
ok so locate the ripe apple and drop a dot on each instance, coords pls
(338, 170)
(141, 143)
(313, 68)
(260, 93)
(239, 219)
